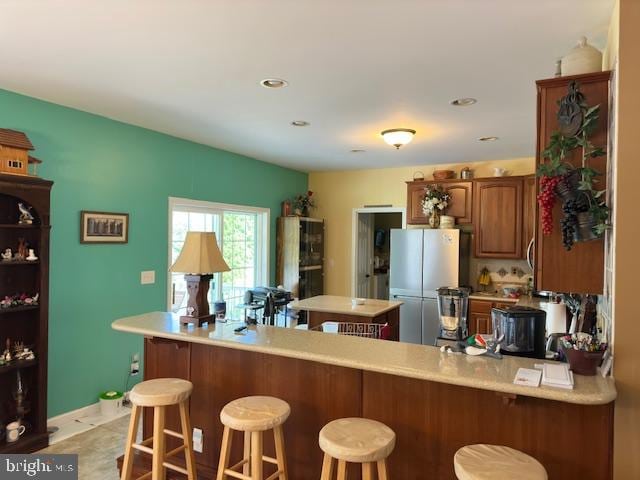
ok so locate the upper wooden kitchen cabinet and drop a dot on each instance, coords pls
(497, 203)
(460, 205)
(580, 270)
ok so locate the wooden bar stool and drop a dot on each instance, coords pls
(356, 440)
(253, 416)
(494, 462)
(160, 394)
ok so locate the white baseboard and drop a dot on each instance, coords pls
(79, 421)
(89, 410)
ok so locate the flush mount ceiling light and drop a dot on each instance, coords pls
(398, 136)
(274, 83)
(463, 102)
(488, 139)
(300, 123)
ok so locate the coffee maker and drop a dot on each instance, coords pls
(453, 304)
(523, 329)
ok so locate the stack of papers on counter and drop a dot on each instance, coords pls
(527, 377)
(557, 375)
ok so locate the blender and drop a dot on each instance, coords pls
(453, 303)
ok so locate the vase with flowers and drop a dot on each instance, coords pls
(434, 201)
(303, 203)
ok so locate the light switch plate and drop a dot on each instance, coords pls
(148, 277)
(197, 440)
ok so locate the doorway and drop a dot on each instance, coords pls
(371, 246)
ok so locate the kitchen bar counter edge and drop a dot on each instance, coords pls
(400, 359)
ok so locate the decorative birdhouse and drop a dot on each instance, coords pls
(14, 152)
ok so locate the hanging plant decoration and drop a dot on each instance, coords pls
(586, 214)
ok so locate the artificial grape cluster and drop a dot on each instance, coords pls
(571, 208)
(546, 200)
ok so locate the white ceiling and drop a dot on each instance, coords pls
(191, 69)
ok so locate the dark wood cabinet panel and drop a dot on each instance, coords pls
(165, 358)
(415, 193)
(317, 394)
(580, 270)
(497, 205)
(433, 420)
(460, 205)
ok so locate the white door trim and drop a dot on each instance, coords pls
(354, 236)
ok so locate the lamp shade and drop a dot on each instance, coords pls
(200, 254)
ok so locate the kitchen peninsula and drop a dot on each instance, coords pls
(435, 402)
(333, 308)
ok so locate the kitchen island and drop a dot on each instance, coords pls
(333, 308)
(435, 402)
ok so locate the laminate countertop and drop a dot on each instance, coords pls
(394, 358)
(337, 304)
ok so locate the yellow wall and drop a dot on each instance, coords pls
(337, 193)
(626, 319)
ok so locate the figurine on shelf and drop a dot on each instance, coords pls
(23, 353)
(7, 255)
(22, 250)
(26, 218)
(32, 255)
(6, 355)
(7, 302)
(31, 300)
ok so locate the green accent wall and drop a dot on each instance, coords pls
(104, 165)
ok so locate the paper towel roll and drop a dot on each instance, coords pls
(556, 318)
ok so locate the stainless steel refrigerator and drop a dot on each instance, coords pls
(422, 260)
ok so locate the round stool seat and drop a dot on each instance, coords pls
(255, 414)
(160, 392)
(494, 462)
(357, 440)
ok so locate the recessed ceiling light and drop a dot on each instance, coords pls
(463, 102)
(300, 123)
(488, 139)
(274, 83)
(357, 150)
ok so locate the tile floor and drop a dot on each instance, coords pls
(97, 449)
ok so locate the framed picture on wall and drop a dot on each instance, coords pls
(104, 227)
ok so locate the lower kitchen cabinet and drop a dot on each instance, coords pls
(479, 317)
(479, 323)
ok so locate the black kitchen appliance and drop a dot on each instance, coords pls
(523, 329)
(271, 300)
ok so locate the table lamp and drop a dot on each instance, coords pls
(199, 259)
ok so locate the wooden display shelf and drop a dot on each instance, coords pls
(19, 225)
(29, 442)
(13, 263)
(16, 364)
(23, 308)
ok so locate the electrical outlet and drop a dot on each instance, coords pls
(198, 441)
(134, 368)
(148, 277)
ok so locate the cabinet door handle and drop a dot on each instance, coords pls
(530, 253)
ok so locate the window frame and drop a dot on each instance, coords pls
(263, 227)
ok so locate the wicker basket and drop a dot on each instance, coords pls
(443, 174)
